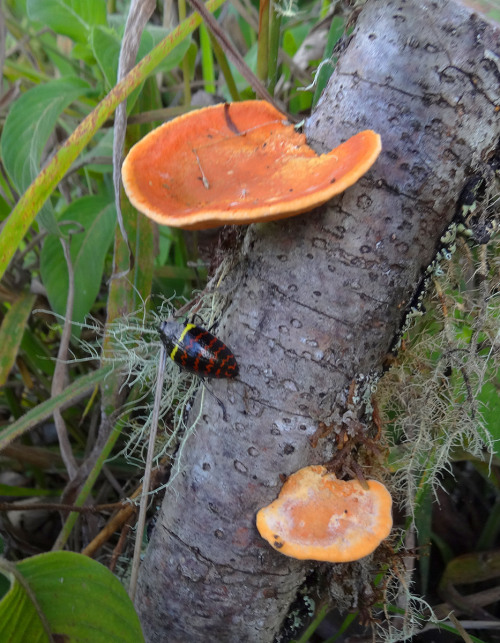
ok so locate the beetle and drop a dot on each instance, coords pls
(197, 350)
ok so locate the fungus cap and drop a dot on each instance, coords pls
(237, 163)
(317, 517)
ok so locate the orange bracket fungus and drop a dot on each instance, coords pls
(237, 163)
(317, 517)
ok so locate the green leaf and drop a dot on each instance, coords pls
(423, 524)
(301, 101)
(251, 61)
(95, 216)
(128, 292)
(323, 74)
(38, 414)
(19, 619)
(98, 159)
(294, 37)
(12, 331)
(72, 18)
(153, 35)
(78, 598)
(30, 203)
(459, 635)
(5, 581)
(491, 408)
(37, 355)
(106, 45)
(24, 492)
(30, 122)
(65, 66)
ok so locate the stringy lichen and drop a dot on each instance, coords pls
(133, 345)
(431, 402)
(431, 395)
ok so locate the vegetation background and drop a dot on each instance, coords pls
(71, 452)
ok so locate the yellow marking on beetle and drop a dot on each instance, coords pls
(179, 340)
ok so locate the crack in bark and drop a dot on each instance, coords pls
(312, 309)
(283, 411)
(228, 569)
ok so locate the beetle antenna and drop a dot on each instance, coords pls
(219, 402)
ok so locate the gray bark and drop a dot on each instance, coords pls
(317, 302)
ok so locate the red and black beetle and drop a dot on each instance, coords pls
(197, 350)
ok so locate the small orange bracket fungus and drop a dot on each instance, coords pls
(237, 163)
(317, 517)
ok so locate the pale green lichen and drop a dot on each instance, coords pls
(431, 405)
(133, 347)
(432, 393)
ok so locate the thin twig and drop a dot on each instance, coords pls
(206, 184)
(114, 523)
(60, 372)
(459, 626)
(120, 545)
(141, 521)
(54, 506)
(234, 55)
(138, 16)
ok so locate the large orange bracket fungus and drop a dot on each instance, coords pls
(237, 163)
(317, 517)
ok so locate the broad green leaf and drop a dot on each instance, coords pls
(166, 241)
(77, 597)
(66, 66)
(152, 36)
(12, 331)
(72, 18)
(6, 191)
(95, 216)
(83, 52)
(5, 581)
(19, 617)
(106, 45)
(37, 356)
(4, 209)
(248, 33)
(99, 157)
(251, 61)
(301, 101)
(30, 122)
(294, 37)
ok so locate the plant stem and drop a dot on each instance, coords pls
(274, 46)
(207, 60)
(186, 72)
(71, 519)
(263, 42)
(225, 68)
